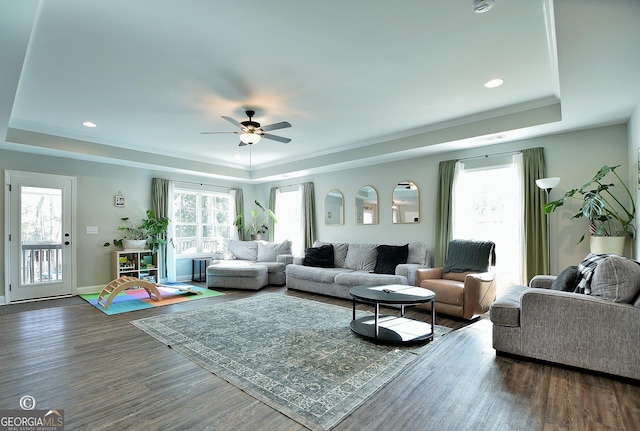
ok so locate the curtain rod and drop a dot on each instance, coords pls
(203, 184)
(490, 155)
(289, 185)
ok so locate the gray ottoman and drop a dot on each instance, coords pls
(237, 275)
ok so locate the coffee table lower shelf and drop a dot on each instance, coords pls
(393, 329)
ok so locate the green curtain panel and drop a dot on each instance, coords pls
(444, 203)
(160, 207)
(308, 215)
(272, 207)
(535, 220)
(238, 198)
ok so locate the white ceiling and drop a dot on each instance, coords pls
(350, 76)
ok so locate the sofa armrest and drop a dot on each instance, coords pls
(580, 330)
(428, 274)
(409, 271)
(542, 281)
(284, 258)
(479, 293)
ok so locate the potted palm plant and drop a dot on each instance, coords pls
(257, 225)
(610, 216)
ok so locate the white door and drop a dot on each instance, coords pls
(40, 214)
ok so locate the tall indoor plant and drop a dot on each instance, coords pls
(609, 214)
(257, 224)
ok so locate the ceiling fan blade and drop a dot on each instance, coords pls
(276, 126)
(276, 138)
(233, 121)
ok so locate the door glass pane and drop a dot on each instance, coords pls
(41, 235)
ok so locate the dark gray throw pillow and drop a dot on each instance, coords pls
(321, 257)
(567, 280)
(390, 256)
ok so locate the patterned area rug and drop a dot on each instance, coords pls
(296, 355)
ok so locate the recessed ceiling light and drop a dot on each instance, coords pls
(494, 83)
(88, 124)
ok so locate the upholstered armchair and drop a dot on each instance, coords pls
(464, 287)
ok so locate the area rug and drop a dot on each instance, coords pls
(296, 355)
(138, 299)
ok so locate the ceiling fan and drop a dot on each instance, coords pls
(251, 131)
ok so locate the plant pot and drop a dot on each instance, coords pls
(607, 244)
(134, 244)
(256, 237)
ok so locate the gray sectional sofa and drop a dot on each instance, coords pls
(353, 264)
(599, 331)
(249, 265)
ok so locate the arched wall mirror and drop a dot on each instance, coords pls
(367, 205)
(334, 208)
(406, 203)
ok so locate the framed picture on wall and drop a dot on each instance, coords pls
(119, 200)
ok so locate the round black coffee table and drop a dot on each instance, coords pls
(392, 329)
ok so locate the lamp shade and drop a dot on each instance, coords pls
(250, 138)
(548, 183)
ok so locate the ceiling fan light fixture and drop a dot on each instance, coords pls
(250, 138)
(482, 6)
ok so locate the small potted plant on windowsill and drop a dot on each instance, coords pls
(257, 225)
(609, 216)
(150, 233)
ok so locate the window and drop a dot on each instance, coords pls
(487, 205)
(289, 215)
(202, 221)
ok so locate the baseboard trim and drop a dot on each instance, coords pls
(89, 289)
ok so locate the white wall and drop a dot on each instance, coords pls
(97, 184)
(574, 157)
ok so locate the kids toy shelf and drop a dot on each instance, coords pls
(142, 264)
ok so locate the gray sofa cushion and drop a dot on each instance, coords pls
(269, 251)
(311, 273)
(361, 257)
(245, 250)
(616, 279)
(356, 278)
(339, 252)
(417, 253)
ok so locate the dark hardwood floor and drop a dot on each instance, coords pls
(108, 375)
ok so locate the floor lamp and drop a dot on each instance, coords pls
(547, 184)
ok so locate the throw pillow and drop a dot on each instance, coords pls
(245, 250)
(567, 280)
(339, 252)
(321, 257)
(361, 257)
(390, 256)
(269, 251)
(616, 279)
